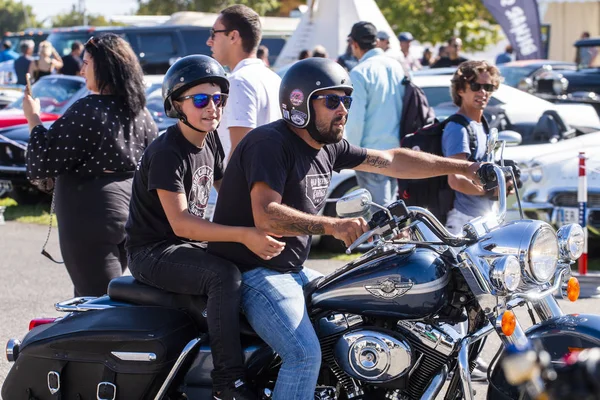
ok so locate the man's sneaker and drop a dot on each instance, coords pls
(239, 390)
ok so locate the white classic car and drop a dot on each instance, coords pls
(551, 182)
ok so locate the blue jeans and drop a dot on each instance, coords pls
(384, 189)
(274, 305)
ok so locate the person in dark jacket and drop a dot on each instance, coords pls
(72, 62)
(22, 63)
(93, 151)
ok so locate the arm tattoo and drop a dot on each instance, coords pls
(283, 222)
(377, 162)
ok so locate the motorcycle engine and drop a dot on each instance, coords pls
(373, 356)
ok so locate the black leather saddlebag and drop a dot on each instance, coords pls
(116, 353)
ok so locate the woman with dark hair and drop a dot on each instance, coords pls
(93, 151)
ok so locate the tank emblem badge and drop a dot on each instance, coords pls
(389, 289)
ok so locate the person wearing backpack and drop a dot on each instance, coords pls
(472, 86)
(464, 138)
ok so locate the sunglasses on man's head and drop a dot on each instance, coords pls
(476, 87)
(332, 101)
(213, 32)
(201, 100)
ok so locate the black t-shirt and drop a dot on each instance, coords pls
(71, 65)
(174, 164)
(299, 173)
(446, 62)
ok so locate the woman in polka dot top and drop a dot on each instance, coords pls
(93, 150)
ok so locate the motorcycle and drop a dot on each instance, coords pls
(532, 370)
(387, 321)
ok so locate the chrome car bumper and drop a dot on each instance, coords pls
(561, 208)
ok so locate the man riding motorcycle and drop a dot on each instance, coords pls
(276, 180)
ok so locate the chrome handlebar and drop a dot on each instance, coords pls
(487, 173)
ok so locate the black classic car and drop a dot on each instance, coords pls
(530, 75)
(581, 85)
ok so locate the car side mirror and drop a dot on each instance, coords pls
(355, 204)
(511, 138)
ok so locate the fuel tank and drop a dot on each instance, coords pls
(408, 284)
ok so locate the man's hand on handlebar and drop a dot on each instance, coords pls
(349, 229)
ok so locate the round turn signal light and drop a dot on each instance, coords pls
(573, 289)
(509, 323)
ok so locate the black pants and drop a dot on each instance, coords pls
(91, 214)
(187, 268)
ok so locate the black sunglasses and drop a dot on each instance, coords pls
(476, 87)
(332, 101)
(213, 32)
(201, 99)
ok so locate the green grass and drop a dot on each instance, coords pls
(31, 214)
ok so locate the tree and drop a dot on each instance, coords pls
(14, 16)
(167, 7)
(436, 21)
(75, 17)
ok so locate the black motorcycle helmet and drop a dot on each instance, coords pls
(187, 72)
(301, 81)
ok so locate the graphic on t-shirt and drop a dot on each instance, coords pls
(202, 182)
(316, 188)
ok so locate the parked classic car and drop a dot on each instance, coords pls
(580, 85)
(56, 93)
(530, 75)
(552, 179)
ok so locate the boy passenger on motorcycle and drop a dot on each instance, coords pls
(277, 180)
(166, 231)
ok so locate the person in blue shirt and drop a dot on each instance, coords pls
(377, 106)
(505, 57)
(7, 52)
(472, 86)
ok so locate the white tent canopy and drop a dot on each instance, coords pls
(328, 23)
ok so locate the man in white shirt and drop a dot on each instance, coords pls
(254, 88)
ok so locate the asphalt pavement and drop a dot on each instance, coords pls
(30, 285)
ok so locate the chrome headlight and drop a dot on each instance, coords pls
(560, 85)
(505, 273)
(542, 257)
(537, 173)
(571, 241)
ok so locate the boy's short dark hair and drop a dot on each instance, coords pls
(247, 22)
(469, 71)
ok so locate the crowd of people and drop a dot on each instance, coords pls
(47, 62)
(126, 197)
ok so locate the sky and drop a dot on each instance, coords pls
(48, 8)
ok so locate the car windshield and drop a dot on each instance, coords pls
(513, 75)
(54, 93)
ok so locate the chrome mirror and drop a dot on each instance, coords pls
(492, 139)
(511, 138)
(355, 204)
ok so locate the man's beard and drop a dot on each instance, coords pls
(326, 133)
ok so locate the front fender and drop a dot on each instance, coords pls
(558, 336)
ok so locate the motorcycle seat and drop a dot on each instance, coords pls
(127, 289)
